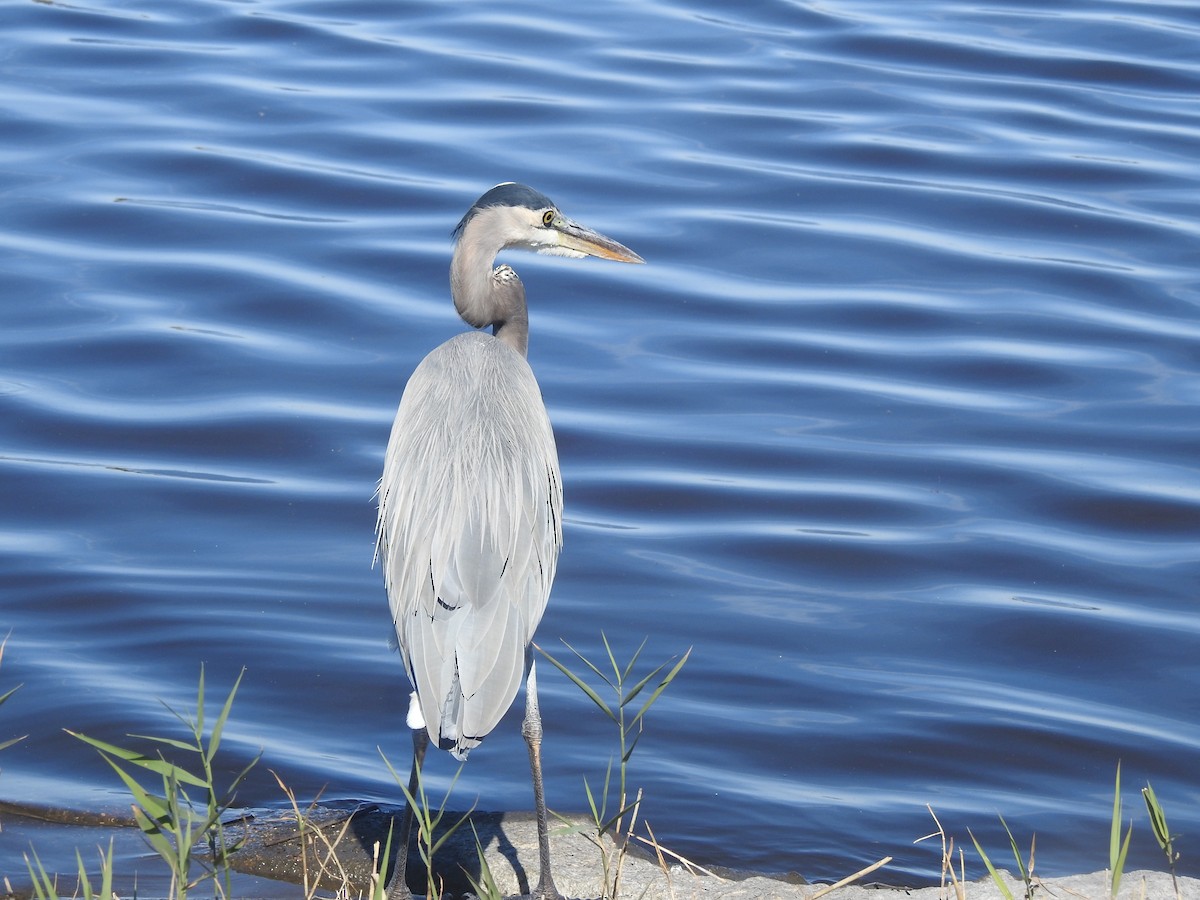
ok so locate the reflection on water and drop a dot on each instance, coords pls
(896, 427)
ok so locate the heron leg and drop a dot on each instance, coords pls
(532, 730)
(398, 886)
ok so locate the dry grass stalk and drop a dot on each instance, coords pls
(850, 879)
(662, 863)
(957, 880)
(327, 864)
(692, 867)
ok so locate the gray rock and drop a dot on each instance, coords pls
(509, 842)
(278, 852)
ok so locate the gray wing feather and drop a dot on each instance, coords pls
(469, 530)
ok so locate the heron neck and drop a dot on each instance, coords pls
(471, 283)
(489, 296)
(514, 329)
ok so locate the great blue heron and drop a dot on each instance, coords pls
(470, 503)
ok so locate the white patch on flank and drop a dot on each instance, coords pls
(414, 719)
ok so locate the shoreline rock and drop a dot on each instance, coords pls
(273, 851)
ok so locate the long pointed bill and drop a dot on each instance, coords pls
(578, 238)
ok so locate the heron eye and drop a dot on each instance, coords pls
(548, 217)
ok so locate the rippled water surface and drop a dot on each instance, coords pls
(896, 428)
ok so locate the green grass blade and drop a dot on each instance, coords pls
(612, 658)
(214, 740)
(667, 679)
(387, 762)
(109, 749)
(632, 660)
(1114, 834)
(156, 807)
(199, 723)
(1158, 822)
(5, 696)
(580, 683)
(154, 835)
(485, 887)
(154, 764)
(1117, 850)
(599, 811)
(633, 744)
(587, 662)
(449, 832)
(165, 741)
(241, 776)
(106, 873)
(44, 887)
(591, 799)
(85, 882)
(380, 890)
(999, 882)
(632, 693)
(1016, 853)
(11, 691)
(1119, 867)
(615, 819)
(189, 724)
(162, 767)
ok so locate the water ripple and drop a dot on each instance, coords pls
(895, 428)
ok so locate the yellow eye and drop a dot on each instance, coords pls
(548, 217)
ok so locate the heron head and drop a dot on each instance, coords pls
(515, 215)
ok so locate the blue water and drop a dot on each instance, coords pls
(896, 428)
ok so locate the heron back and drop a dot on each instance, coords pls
(469, 531)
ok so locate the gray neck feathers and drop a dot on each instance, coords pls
(486, 296)
(513, 328)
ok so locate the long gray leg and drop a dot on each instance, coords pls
(532, 730)
(398, 887)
